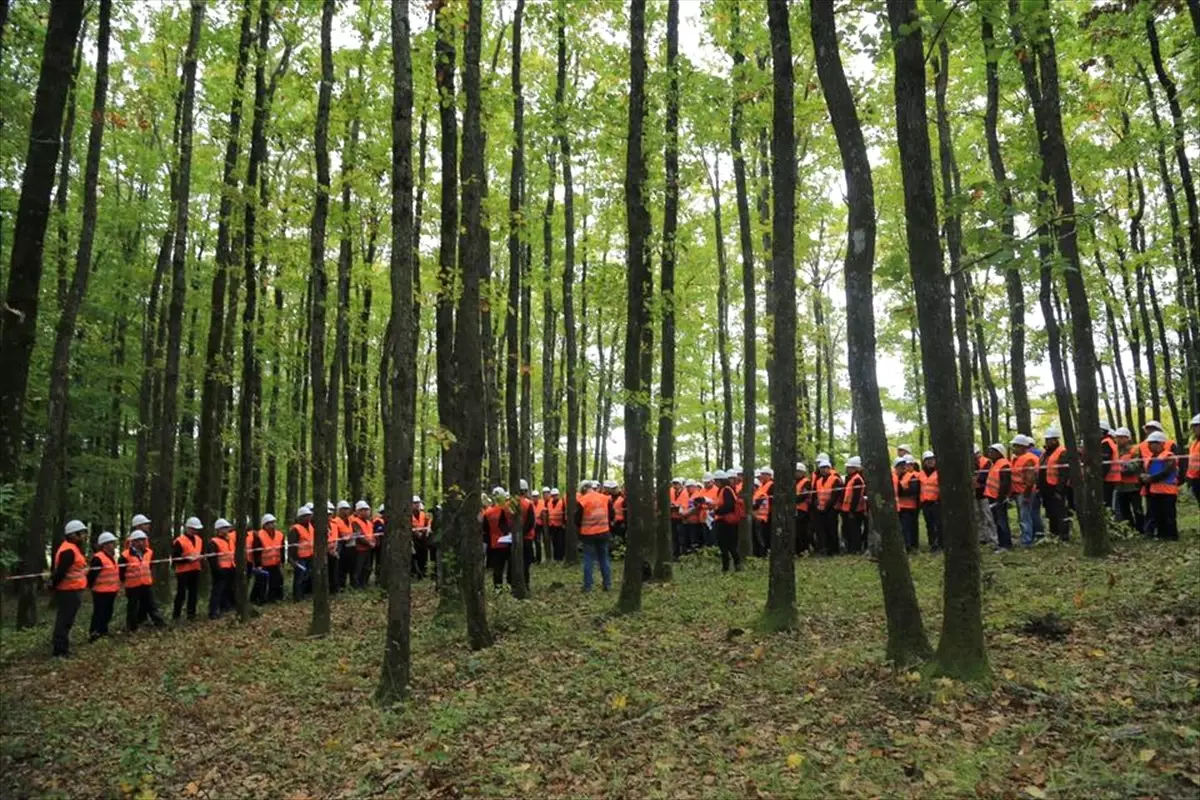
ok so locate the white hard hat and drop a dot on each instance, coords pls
(545, 490)
(329, 504)
(1104, 426)
(734, 472)
(610, 484)
(708, 476)
(268, 518)
(380, 509)
(523, 485)
(770, 473)
(74, 526)
(221, 524)
(194, 523)
(720, 475)
(498, 491)
(554, 492)
(801, 466)
(999, 448)
(105, 538)
(927, 454)
(910, 458)
(824, 457)
(905, 447)
(823, 461)
(1155, 424)
(854, 461)
(140, 519)
(899, 462)
(1196, 420)
(416, 498)
(1053, 433)
(137, 536)
(1018, 440)
(1157, 436)
(304, 511)
(676, 480)
(343, 504)
(362, 505)
(1123, 431)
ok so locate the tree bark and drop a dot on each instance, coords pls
(571, 549)
(516, 433)
(961, 652)
(64, 169)
(906, 641)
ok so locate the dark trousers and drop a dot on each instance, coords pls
(274, 583)
(527, 556)
(1003, 531)
(853, 525)
(908, 527)
(726, 534)
(140, 606)
(557, 542)
(708, 536)
(1129, 509)
(803, 533)
(536, 545)
(420, 561)
(66, 606)
(1110, 489)
(762, 538)
(334, 574)
(349, 559)
(1162, 509)
(1056, 513)
(933, 525)
(498, 560)
(825, 531)
(187, 585)
(102, 611)
(221, 578)
(301, 579)
(362, 568)
(618, 531)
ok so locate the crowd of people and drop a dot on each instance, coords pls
(831, 514)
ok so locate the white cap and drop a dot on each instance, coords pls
(1155, 424)
(545, 490)
(105, 538)
(708, 476)
(823, 461)
(927, 454)
(554, 492)
(801, 466)
(343, 504)
(416, 498)
(362, 505)
(610, 484)
(74, 526)
(1053, 433)
(676, 480)
(1123, 431)
(899, 462)
(194, 523)
(498, 491)
(854, 461)
(720, 475)
(267, 518)
(734, 472)
(1157, 436)
(137, 535)
(910, 458)
(905, 447)
(329, 504)
(303, 511)
(1104, 426)
(1196, 420)
(1019, 440)
(140, 519)
(824, 457)
(221, 523)
(523, 485)
(999, 448)
(770, 473)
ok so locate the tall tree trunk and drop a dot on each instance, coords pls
(549, 332)
(992, 423)
(1137, 241)
(665, 452)
(162, 500)
(64, 170)
(780, 611)
(516, 431)
(571, 549)
(961, 652)
(640, 501)
(1048, 117)
(396, 673)
(714, 182)
(217, 373)
(54, 452)
(906, 641)
(749, 312)
(18, 325)
(322, 425)
(1114, 342)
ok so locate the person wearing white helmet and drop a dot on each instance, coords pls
(1025, 490)
(619, 524)
(541, 536)
(761, 507)
(1111, 456)
(804, 497)
(1160, 477)
(497, 529)
(1053, 484)
(300, 539)
(138, 579)
(362, 533)
(827, 488)
(421, 528)
(341, 548)
(525, 526)
(187, 556)
(931, 500)
(853, 507)
(998, 490)
(140, 522)
(903, 450)
(1127, 502)
(1193, 461)
(727, 516)
(69, 579)
(104, 579)
(677, 497)
(267, 557)
(556, 524)
(907, 488)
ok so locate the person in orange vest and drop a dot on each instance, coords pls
(1110, 454)
(497, 528)
(804, 496)
(268, 562)
(222, 566)
(1193, 463)
(300, 553)
(1161, 479)
(907, 487)
(931, 500)
(68, 579)
(421, 528)
(726, 520)
(763, 493)
(693, 517)
(987, 526)
(362, 535)
(104, 579)
(594, 517)
(997, 492)
(138, 581)
(541, 527)
(526, 526)
(854, 507)
(340, 524)
(187, 554)
(1024, 469)
(1052, 482)
(1127, 502)
(556, 521)
(708, 530)
(827, 499)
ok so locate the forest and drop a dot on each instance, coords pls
(258, 255)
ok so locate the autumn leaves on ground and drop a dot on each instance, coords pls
(1095, 694)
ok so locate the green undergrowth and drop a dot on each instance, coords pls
(1094, 693)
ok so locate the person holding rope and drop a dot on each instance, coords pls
(186, 553)
(300, 553)
(68, 579)
(223, 568)
(139, 582)
(104, 579)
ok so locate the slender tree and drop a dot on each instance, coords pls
(571, 548)
(516, 432)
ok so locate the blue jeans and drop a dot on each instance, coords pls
(1003, 533)
(1029, 513)
(595, 549)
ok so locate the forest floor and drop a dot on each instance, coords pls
(682, 700)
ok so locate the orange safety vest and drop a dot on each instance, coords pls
(137, 568)
(1020, 465)
(494, 516)
(930, 490)
(1131, 456)
(190, 548)
(108, 577)
(76, 577)
(852, 481)
(803, 494)
(1050, 462)
(678, 499)
(339, 529)
(1170, 485)
(364, 540)
(526, 505)
(992, 490)
(733, 517)
(710, 495)
(1112, 455)
(271, 543)
(556, 512)
(825, 487)
(1193, 470)
(595, 514)
(619, 508)
(904, 502)
(225, 557)
(695, 512)
(304, 539)
(762, 501)
(420, 524)
(539, 512)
